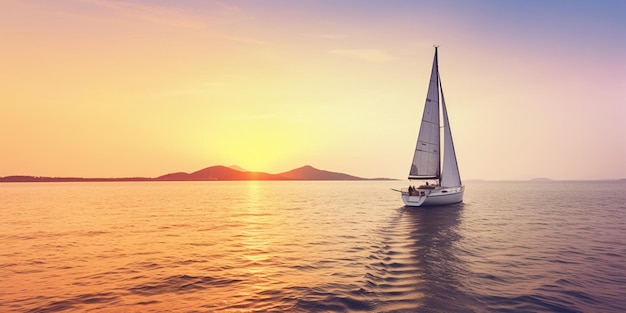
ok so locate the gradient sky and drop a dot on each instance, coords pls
(116, 88)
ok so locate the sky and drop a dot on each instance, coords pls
(121, 88)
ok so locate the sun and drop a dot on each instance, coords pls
(256, 147)
(256, 156)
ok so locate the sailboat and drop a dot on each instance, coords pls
(437, 172)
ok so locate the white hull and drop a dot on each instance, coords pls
(436, 196)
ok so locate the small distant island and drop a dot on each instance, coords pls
(212, 173)
(540, 179)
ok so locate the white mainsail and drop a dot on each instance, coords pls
(426, 160)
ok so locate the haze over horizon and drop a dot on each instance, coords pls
(121, 88)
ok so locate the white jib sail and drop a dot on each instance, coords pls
(450, 176)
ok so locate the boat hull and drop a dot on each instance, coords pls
(437, 196)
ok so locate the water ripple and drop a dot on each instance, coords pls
(76, 302)
(180, 284)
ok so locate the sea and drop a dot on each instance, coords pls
(311, 246)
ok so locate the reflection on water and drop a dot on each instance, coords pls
(309, 247)
(434, 235)
(417, 268)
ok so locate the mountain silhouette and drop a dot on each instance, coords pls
(229, 173)
(308, 172)
(218, 172)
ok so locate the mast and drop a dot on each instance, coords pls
(439, 91)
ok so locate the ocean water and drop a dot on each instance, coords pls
(311, 247)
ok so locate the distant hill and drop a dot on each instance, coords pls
(310, 173)
(541, 179)
(218, 172)
(230, 173)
